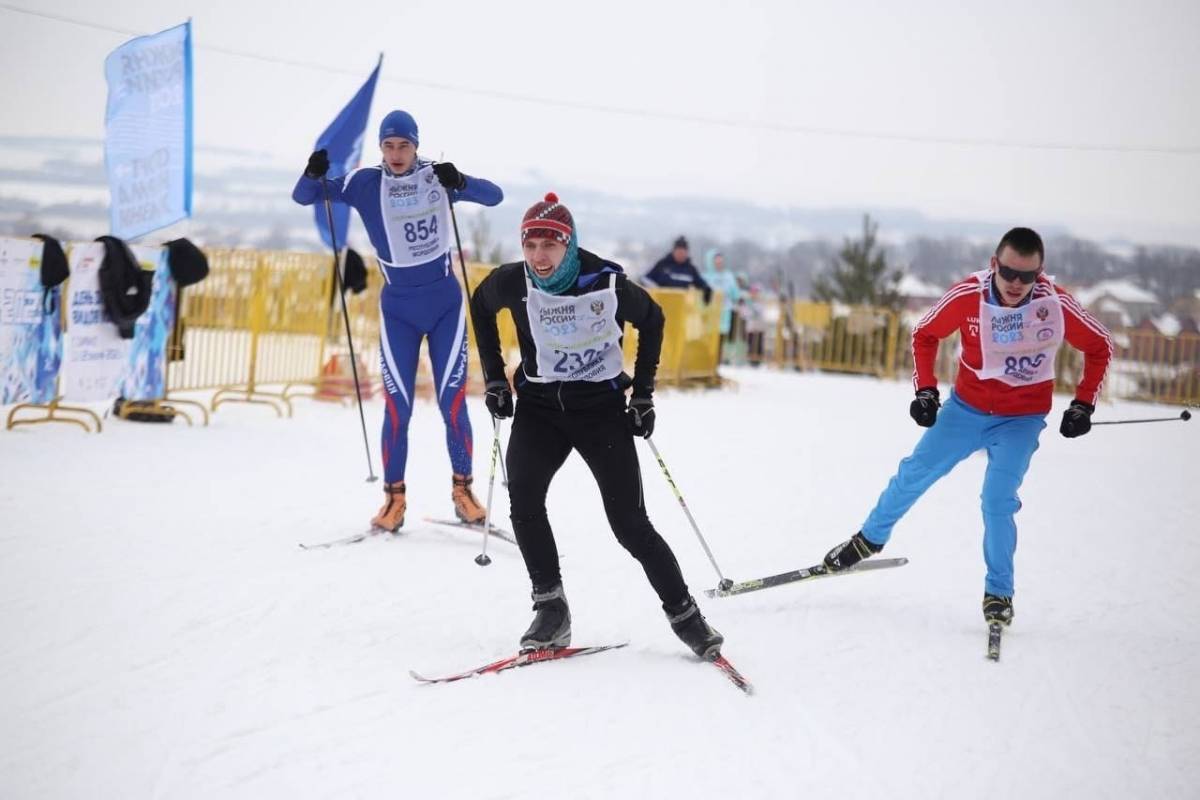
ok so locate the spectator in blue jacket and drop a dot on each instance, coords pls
(725, 282)
(676, 271)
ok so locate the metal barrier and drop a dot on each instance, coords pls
(690, 351)
(821, 336)
(30, 413)
(1146, 365)
(365, 322)
(266, 317)
(1149, 366)
(259, 318)
(691, 339)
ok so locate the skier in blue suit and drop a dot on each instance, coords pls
(404, 203)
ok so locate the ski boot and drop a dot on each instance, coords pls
(997, 609)
(466, 507)
(391, 516)
(692, 629)
(850, 552)
(551, 626)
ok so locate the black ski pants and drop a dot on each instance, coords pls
(541, 440)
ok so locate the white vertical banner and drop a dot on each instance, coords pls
(95, 355)
(20, 320)
(148, 131)
(98, 365)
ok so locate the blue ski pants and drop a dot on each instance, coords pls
(409, 314)
(960, 430)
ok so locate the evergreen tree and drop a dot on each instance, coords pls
(861, 275)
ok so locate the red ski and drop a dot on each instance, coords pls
(520, 660)
(738, 680)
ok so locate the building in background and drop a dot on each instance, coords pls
(1118, 303)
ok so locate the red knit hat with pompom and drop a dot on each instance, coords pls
(549, 219)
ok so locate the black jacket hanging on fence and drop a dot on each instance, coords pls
(188, 266)
(187, 262)
(124, 286)
(54, 267)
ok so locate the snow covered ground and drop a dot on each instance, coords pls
(163, 635)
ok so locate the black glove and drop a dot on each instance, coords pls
(639, 417)
(449, 176)
(924, 407)
(1077, 419)
(318, 164)
(499, 400)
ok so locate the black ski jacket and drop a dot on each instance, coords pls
(505, 288)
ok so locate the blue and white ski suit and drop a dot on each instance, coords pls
(407, 218)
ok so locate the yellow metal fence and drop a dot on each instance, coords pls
(259, 318)
(265, 326)
(690, 340)
(1146, 365)
(365, 321)
(273, 318)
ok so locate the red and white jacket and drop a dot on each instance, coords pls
(959, 310)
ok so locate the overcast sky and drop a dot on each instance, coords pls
(925, 105)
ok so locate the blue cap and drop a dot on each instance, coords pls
(399, 123)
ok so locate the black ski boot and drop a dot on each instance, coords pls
(997, 609)
(551, 626)
(691, 628)
(850, 552)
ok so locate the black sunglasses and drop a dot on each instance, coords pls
(1024, 276)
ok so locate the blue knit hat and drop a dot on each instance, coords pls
(399, 123)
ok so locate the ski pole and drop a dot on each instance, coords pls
(462, 262)
(337, 273)
(483, 559)
(725, 583)
(503, 470)
(1184, 416)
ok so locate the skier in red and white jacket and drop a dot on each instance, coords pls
(1011, 319)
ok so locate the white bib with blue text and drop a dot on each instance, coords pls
(1019, 344)
(416, 217)
(576, 338)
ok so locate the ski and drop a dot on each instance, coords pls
(356, 538)
(730, 671)
(521, 659)
(499, 533)
(995, 629)
(819, 571)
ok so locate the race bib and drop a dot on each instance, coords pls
(416, 217)
(1019, 344)
(576, 338)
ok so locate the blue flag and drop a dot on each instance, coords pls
(344, 141)
(148, 131)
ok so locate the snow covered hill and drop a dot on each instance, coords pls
(164, 636)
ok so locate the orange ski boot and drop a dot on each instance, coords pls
(466, 507)
(391, 516)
